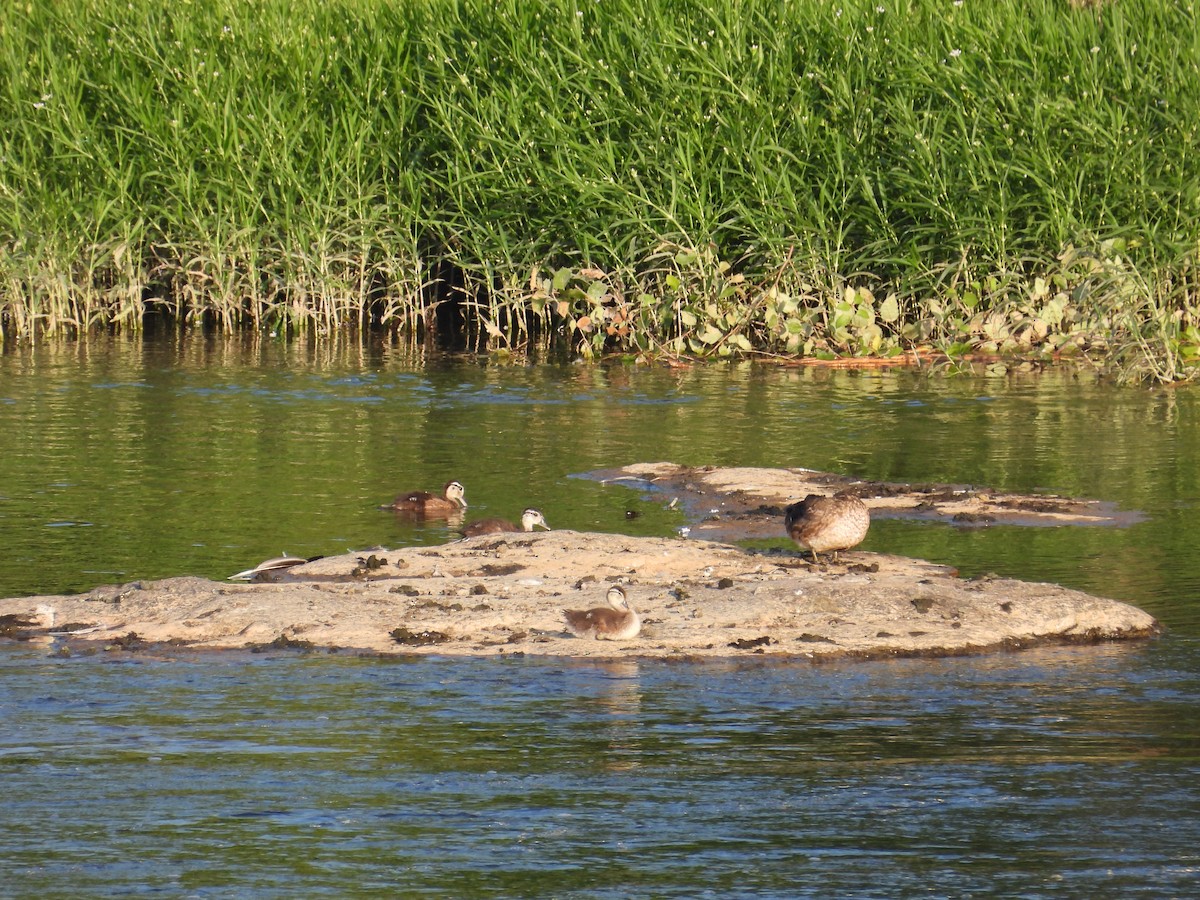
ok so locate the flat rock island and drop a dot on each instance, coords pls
(505, 593)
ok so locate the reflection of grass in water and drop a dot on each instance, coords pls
(1122, 563)
(314, 165)
(224, 454)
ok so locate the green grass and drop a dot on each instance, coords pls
(682, 176)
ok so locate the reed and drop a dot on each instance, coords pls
(692, 177)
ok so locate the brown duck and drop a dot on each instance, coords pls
(615, 622)
(827, 524)
(530, 519)
(453, 498)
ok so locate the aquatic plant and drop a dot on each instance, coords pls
(687, 177)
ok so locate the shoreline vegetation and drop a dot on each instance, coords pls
(662, 178)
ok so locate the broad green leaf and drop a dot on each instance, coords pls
(562, 278)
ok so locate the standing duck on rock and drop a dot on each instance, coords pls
(827, 524)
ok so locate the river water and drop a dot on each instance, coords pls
(1069, 772)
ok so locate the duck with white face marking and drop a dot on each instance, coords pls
(530, 519)
(827, 524)
(423, 503)
(616, 622)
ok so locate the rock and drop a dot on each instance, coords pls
(698, 599)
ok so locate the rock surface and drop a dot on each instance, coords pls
(741, 502)
(499, 594)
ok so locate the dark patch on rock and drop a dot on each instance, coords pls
(1006, 606)
(402, 635)
(751, 643)
(495, 569)
(406, 589)
(807, 638)
(112, 593)
(861, 568)
(283, 642)
(922, 604)
(444, 607)
(130, 642)
(478, 589)
(15, 626)
(725, 583)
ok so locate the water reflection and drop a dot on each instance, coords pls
(1071, 770)
(125, 459)
(619, 704)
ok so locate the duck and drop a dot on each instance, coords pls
(274, 564)
(453, 499)
(616, 622)
(827, 524)
(530, 519)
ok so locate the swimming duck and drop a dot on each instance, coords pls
(530, 519)
(453, 499)
(831, 524)
(615, 622)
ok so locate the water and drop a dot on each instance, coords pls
(1068, 772)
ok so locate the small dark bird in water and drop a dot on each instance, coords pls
(453, 498)
(827, 524)
(615, 622)
(530, 519)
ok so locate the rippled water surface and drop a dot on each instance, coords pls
(1056, 772)
(1059, 772)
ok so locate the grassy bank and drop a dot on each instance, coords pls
(680, 176)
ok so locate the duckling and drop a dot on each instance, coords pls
(616, 622)
(530, 519)
(827, 523)
(424, 503)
